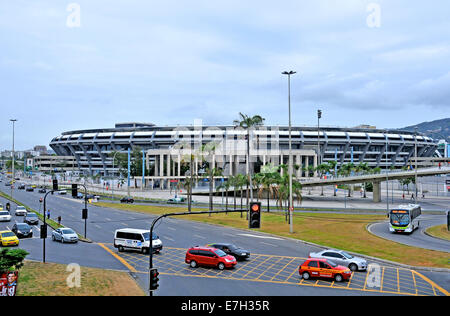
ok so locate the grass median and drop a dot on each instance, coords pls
(50, 279)
(439, 231)
(342, 231)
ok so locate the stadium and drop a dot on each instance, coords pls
(311, 146)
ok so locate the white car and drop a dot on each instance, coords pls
(64, 235)
(341, 258)
(5, 216)
(20, 211)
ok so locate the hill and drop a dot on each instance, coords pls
(439, 129)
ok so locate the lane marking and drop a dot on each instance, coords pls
(433, 284)
(257, 236)
(123, 261)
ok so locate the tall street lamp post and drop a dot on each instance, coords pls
(13, 160)
(415, 168)
(291, 208)
(319, 156)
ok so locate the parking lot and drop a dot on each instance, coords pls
(283, 270)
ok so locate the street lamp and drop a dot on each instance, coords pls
(319, 115)
(291, 208)
(387, 174)
(415, 168)
(13, 159)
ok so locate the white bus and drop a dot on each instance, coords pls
(404, 218)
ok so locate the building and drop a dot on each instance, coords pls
(92, 149)
(50, 164)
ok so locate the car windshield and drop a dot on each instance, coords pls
(23, 226)
(332, 263)
(31, 215)
(20, 207)
(346, 255)
(147, 236)
(8, 234)
(67, 231)
(220, 253)
(4, 213)
(232, 247)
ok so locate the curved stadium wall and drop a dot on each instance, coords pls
(376, 147)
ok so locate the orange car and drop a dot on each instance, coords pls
(323, 268)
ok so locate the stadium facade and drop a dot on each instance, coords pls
(161, 145)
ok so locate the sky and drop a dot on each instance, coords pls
(69, 65)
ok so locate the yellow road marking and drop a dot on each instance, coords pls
(434, 285)
(123, 261)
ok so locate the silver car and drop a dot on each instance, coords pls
(64, 235)
(341, 258)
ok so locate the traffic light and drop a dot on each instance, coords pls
(84, 213)
(154, 279)
(55, 184)
(43, 231)
(255, 215)
(74, 190)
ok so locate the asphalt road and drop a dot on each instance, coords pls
(418, 238)
(178, 234)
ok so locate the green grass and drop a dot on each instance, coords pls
(49, 279)
(439, 231)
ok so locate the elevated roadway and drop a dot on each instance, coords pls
(376, 179)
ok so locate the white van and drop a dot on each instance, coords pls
(137, 239)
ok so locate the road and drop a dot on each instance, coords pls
(272, 269)
(418, 238)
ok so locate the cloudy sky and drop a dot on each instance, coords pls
(67, 65)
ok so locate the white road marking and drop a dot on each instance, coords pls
(266, 243)
(165, 237)
(200, 236)
(263, 237)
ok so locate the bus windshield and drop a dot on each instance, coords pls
(399, 218)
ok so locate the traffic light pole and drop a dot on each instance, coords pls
(169, 215)
(45, 225)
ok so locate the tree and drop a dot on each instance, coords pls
(248, 123)
(11, 259)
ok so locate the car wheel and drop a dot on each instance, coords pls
(338, 278)
(62, 240)
(53, 238)
(353, 267)
(120, 249)
(145, 250)
(221, 266)
(305, 275)
(193, 264)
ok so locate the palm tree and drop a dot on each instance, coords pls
(248, 123)
(225, 185)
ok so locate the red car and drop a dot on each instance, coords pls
(323, 268)
(208, 256)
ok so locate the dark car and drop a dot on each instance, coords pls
(21, 187)
(230, 249)
(31, 218)
(22, 230)
(127, 199)
(42, 190)
(29, 189)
